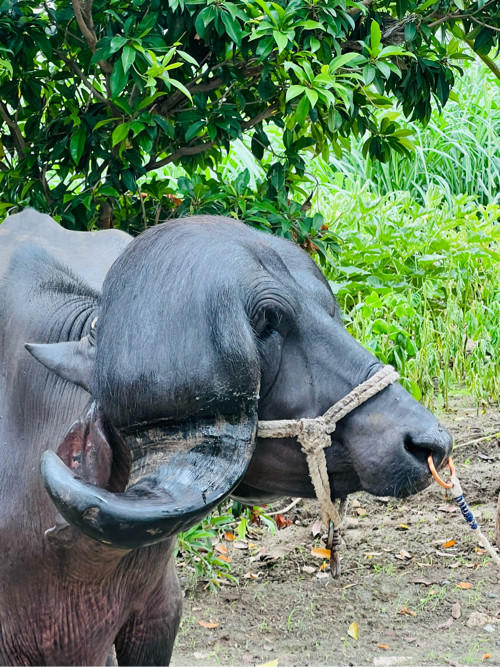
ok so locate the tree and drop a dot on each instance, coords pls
(98, 96)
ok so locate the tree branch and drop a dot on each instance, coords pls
(87, 30)
(15, 132)
(207, 145)
(486, 59)
(83, 77)
(83, 15)
(45, 185)
(166, 106)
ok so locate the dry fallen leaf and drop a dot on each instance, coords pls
(320, 552)
(370, 554)
(464, 585)
(226, 559)
(251, 575)
(447, 624)
(221, 549)
(448, 544)
(447, 508)
(456, 611)
(353, 630)
(207, 624)
(271, 663)
(486, 656)
(407, 612)
(281, 522)
(229, 537)
(404, 555)
(308, 569)
(410, 640)
(360, 511)
(384, 647)
(423, 582)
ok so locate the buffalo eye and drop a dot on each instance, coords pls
(268, 320)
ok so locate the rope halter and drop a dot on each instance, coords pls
(314, 436)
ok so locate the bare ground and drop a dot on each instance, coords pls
(414, 601)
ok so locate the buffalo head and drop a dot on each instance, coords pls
(204, 327)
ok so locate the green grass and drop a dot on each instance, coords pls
(420, 287)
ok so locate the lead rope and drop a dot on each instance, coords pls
(455, 490)
(314, 436)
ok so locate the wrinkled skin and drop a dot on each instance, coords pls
(202, 324)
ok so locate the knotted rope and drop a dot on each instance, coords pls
(314, 436)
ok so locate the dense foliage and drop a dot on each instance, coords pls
(419, 271)
(97, 96)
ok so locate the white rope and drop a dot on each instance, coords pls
(314, 435)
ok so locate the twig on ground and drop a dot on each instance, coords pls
(477, 440)
(286, 509)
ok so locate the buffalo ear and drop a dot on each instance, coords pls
(71, 361)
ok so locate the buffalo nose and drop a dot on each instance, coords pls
(437, 442)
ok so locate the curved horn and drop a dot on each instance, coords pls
(164, 497)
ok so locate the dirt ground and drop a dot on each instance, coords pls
(404, 598)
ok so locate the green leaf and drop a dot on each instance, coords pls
(147, 24)
(180, 86)
(204, 18)
(294, 91)
(427, 3)
(281, 40)
(128, 57)
(101, 123)
(108, 191)
(232, 27)
(312, 95)
(384, 68)
(118, 79)
(193, 131)
(117, 43)
(312, 25)
(77, 144)
(342, 61)
(120, 133)
(410, 31)
(302, 110)
(149, 100)
(369, 73)
(165, 125)
(375, 37)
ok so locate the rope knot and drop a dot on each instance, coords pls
(312, 435)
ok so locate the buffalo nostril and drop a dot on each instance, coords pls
(439, 445)
(420, 451)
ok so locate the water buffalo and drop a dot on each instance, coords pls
(149, 362)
